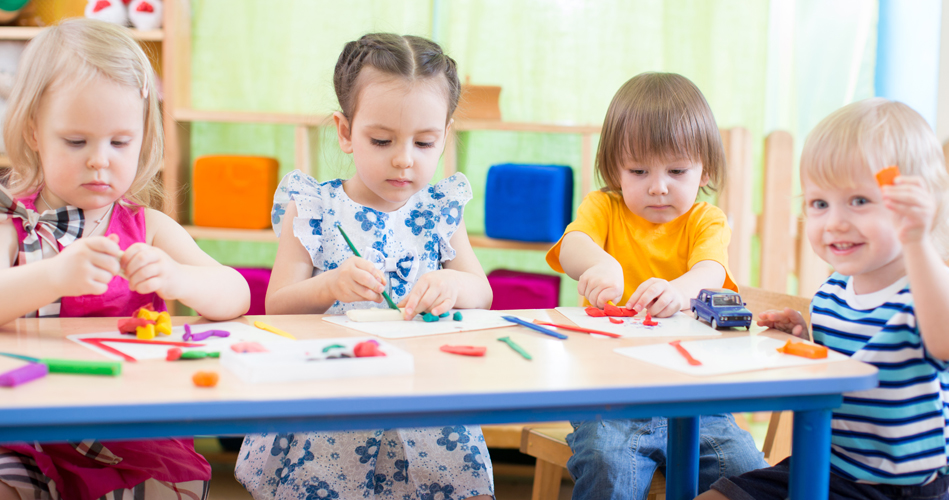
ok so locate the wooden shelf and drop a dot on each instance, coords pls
(28, 32)
(482, 241)
(195, 115)
(224, 233)
(267, 235)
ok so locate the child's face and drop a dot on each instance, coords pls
(88, 138)
(854, 232)
(662, 191)
(396, 137)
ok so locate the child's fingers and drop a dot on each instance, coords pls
(668, 310)
(368, 267)
(368, 281)
(106, 263)
(660, 304)
(798, 331)
(412, 301)
(141, 274)
(104, 245)
(442, 307)
(130, 253)
(651, 292)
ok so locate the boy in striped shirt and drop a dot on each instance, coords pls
(885, 304)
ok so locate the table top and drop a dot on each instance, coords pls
(575, 378)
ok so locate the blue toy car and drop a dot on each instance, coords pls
(721, 307)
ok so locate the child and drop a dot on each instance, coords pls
(885, 303)
(84, 136)
(397, 94)
(645, 243)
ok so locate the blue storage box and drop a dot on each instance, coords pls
(528, 202)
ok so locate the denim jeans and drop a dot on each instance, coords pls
(615, 459)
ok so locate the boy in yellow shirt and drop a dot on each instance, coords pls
(644, 242)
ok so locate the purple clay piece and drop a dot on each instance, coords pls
(23, 374)
(197, 337)
(187, 335)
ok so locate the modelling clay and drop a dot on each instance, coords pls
(146, 332)
(804, 350)
(174, 354)
(464, 350)
(648, 321)
(333, 346)
(205, 379)
(23, 374)
(887, 176)
(616, 320)
(429, 317)
(593, 311)
(128, 325)
(200, 354)
(188, 336)
(369, 315)
(156, 323)
(367, 349)
(445, 314)
(457, 316)
(243, 347)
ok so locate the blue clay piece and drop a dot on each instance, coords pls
(429, 317)
(444, 314)
(457, 316)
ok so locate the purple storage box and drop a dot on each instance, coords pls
(258, 279)
(517, 290)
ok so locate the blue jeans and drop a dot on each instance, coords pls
(616, 459)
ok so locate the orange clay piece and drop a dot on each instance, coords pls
(616, 320)
(611, 310)
(887, 176)
(648, 321)
(804, 350)
(595, 312)
(205, 379)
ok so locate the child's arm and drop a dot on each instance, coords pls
(85, 267)
(600, 276)
(663, 298)
(928, 275)
(461, 283)
(294, 290)
(173, 266)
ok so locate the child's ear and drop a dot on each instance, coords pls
(343, 132)
(29, 135)
(704, 181)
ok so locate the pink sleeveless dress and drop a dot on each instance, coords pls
(89, 469)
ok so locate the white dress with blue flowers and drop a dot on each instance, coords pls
(449, 462)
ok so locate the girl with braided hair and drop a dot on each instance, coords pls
(397, 95)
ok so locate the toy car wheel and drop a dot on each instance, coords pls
(695, 313)
(714, 324)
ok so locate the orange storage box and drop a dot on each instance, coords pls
(234, 191)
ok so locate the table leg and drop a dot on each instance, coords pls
(810, 455)
(682, 457)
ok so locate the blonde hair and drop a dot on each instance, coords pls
(870, 135)
(76, 52)
(659, 116)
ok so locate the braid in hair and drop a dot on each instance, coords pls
(410, 57)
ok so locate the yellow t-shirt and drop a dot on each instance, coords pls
(647, 250)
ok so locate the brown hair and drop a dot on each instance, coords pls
(73, 53)
(410, 57)
(659, 116)
(870, 135)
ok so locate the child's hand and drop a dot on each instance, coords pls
(602, 283)
(659, 297)
(788, 321)
(357, 280)
(914, 206)
(150, 270)
(87, 266)
(435, 293)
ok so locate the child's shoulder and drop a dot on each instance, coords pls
(9, 242)
(453, 188)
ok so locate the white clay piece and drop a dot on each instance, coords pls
(373, 315)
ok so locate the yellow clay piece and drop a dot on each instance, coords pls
(163, 323)
(146, 332)
(146, 314)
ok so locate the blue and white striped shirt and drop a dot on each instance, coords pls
(896, 433)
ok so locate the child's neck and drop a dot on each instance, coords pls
(880, 278)
(95, 218)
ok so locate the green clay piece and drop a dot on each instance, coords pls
(457, 316)
(445, 314)
(333, 346)
(429, 317)
(199, 355)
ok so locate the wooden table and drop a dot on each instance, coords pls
(580, 378)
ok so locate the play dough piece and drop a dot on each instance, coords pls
(429, 317)
(205, 379)
(648, 321)
(593, 311)
(465, 350)
(457, 316)
(616, 320)
(370, 315)
(243, 347)
(804, 350)
(367, 349)
(887, 176)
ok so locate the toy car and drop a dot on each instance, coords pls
(721, 307)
